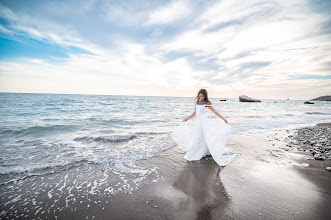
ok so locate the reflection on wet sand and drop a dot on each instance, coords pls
(201, 182)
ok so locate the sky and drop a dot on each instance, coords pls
(263, 49)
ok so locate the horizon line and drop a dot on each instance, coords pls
(142, 95)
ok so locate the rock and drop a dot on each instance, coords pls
(328, 169)
(306, 102)
(244, 98)
(312, 140)
(222, 100)
(305, 165)
(322, 98)
(318, 157)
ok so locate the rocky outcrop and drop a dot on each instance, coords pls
(244, 98)
(322, 98)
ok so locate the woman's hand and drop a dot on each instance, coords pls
(225, 121)
(185, 119)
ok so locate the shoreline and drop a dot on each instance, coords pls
(265, 182)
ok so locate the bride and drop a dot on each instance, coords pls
(204, 136)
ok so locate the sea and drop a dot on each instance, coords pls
(44, 132)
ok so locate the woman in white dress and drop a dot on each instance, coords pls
(204, 136)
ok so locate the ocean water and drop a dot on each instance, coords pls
(40, 133)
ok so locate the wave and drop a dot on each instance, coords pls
(119, 121)
(105, 139)
(112, 121)
(131, 157)
(26, 114)
(317, 113)
(38, 130)
(151, 133)
(41, 169)
(35, 167)
(281, 115)
(116, 138)
(103, 103)
(52, 108)
(51, 119)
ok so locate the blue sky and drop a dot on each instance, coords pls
(264, 49)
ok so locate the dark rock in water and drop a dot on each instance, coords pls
(222, 100)
(308, 102)
(322, 98)
(244, 98)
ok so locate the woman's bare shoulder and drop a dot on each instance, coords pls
(209, 103)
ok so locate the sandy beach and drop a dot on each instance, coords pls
(265, 182)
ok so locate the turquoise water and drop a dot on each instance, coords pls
(45, 131)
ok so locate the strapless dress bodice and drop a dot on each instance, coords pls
(201, 110)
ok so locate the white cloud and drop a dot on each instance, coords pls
(5, 30)
(174, 11)
(27, 26)
(228, 38)
(121, 16)
(128, 70)
(282, 37)
(6, 13)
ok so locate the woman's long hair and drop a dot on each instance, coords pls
(205, 94)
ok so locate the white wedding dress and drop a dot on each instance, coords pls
(204, 136)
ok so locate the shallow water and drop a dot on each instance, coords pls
(45, 132)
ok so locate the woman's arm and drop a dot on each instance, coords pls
(213, 110)
(190, 115)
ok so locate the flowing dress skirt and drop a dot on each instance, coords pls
(204, 136)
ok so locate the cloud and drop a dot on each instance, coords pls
(5, 30)
(136, 47)
(127, 67)
(6, 13)
(245, 68)
(172, 12)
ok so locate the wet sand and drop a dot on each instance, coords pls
(264, 182)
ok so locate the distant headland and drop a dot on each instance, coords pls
(322, 98)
